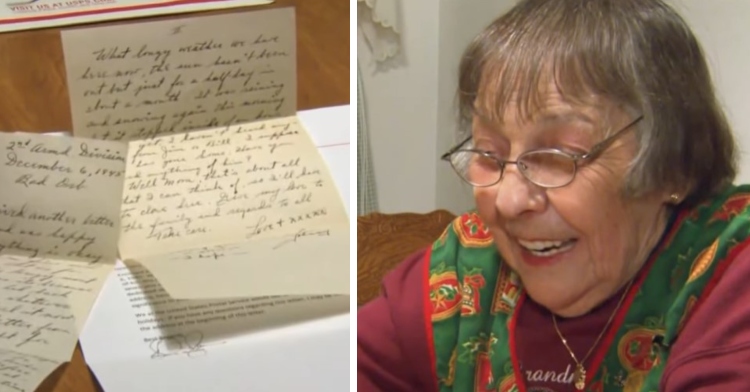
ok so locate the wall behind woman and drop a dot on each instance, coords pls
(722, 28)
(409, 101)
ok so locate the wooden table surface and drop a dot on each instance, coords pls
(33, 98)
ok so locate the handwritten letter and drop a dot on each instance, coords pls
(43, 306)
(34, 312)
(225, 186)
(22, 372)
(37, 320)
(61, 197)
(137, 81)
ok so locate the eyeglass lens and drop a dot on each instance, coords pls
(544, 168)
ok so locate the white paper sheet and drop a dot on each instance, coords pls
(213, 351)
(37, 14)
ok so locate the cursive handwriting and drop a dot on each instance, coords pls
(36, 295)
(224, 186)
(291, 238)
(60, 196)
(129, 85)
(21, 372)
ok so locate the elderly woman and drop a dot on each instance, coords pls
(608, 249)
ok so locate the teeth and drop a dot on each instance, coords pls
(540, 245)
(546, 248)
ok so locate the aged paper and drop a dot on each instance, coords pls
(59, 227)
(137, 328)
(226, 186)
(38, 315)
(136, 81)
(22, 372)
(227, 177)
(216, 158)
(61, 197)
(228, 211)
(308, 266)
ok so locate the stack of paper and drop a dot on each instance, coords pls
(189, 164)
(245, 344)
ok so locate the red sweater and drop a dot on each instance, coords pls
(712, 352)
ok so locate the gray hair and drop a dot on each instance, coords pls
(639, 54)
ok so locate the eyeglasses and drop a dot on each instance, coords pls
(547, 168)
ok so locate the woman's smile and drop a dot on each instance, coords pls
(546, 248)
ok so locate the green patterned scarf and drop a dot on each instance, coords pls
(475, 296)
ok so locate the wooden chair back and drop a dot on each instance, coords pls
(384, 240)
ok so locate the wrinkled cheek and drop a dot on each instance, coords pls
(602, 252)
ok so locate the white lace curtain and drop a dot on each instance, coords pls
(378, 21)
(367, 199)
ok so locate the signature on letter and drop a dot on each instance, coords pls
(190, 344)
(301, 234)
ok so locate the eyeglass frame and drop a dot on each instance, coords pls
(588, 157)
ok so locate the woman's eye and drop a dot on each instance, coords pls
(572, 140)
(568, 146)
(495, 150)
(485, 160)
(494, 155)
(571, 150)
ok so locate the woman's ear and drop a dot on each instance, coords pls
(677, 194)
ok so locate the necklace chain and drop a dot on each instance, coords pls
(579, 375)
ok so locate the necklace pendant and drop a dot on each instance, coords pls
(580, 377)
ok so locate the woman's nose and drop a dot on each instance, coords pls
(516, 195)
